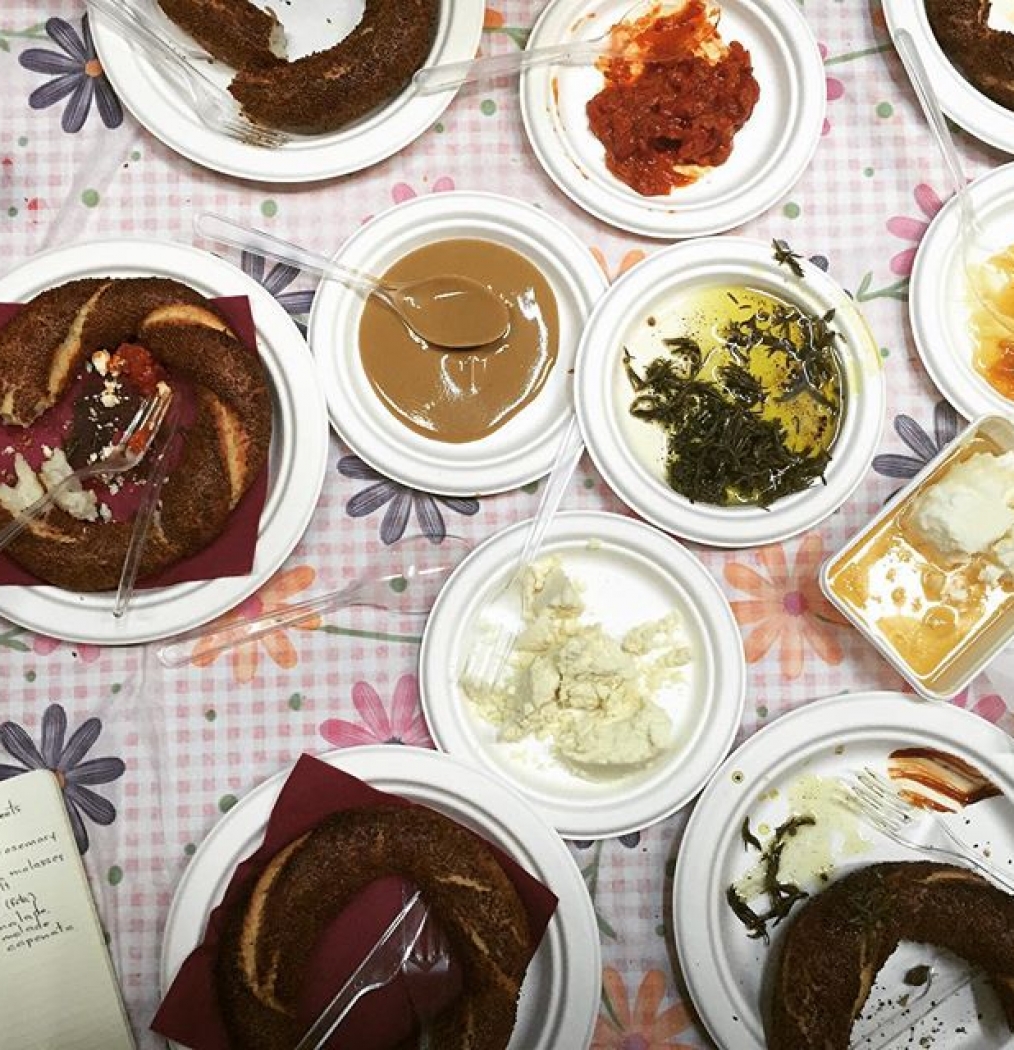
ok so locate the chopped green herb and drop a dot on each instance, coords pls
(785, 256)
(748, 837)
(782, 896)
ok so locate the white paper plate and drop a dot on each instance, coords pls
(560, 996)
(631, 573)
(938, 302)
(723, 968)
(297, 461)
(523, 449)
(770, 152)
(964, 104)
(163, 107)
(629, 452)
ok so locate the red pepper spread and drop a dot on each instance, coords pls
(675, 100)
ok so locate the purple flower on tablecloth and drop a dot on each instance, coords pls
(404, 725)
(913, 229)
(77, 72)
(279, 277)
(833, 86)
(400, 500)
(629, 840)
(65, 758)
(946, 424)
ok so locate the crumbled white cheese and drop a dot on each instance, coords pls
(100, 361)
(30, 487)
(25, 491)
(78, 502)
(969, 513)
(574, 684)
(110, 396)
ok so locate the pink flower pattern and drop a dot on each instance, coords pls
(913, 229)
(43, 646)
(402, 191)
(834, 87)
(404, 725)
(992, 706)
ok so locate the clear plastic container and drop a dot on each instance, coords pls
(939, 622)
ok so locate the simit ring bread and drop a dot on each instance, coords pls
(984, 55)
(270, 935)
(319, 92)
(841, 938)
(43, 348)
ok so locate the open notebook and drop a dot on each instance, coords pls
(58, 990)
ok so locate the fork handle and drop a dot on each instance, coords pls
(963, 851)
(141, 32)
(567, 456)
(216, 639)
(431, 79)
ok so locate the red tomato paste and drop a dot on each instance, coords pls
(676, 99)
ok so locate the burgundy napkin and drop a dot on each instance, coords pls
(380, 1021)
(230, 554)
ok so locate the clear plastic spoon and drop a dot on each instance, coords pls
(405, 577)
(976, 250)
(449, 311)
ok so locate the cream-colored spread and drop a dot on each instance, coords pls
(457, 396)
(571, 682)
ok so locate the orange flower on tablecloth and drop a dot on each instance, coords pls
(631, 258)
(245, 657)
(786, 607)
(493, 19)
(646, 1026)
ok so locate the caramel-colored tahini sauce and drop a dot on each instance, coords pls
(463, 395)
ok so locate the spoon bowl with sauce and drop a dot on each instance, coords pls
(450, 311)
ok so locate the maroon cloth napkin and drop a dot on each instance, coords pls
(189, 1013)
(230, 554)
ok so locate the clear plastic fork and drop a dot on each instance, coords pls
(384, 962)
(146, 511)
(883, 808)
(214, 106)
(123, 456)
(488, 656)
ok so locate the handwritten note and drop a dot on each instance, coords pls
(53, 959)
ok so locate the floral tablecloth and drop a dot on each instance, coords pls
(152, 758)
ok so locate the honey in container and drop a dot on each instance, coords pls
(931, 580)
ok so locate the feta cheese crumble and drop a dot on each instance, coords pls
(587, 692)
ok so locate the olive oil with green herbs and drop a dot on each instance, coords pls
(749, 391)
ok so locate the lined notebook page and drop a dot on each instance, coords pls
(57, 986)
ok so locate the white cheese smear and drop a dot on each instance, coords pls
(587, 692)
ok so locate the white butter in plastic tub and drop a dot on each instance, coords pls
(928, 581)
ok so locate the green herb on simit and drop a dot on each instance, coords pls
(748, 392)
